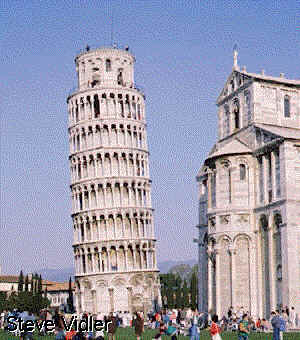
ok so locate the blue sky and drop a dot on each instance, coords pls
(184, 55)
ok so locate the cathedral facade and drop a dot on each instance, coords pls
(249, 198)
(114, 242)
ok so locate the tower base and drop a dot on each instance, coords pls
(118, 292)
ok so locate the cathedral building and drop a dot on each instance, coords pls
(114, 242)
(249, 198)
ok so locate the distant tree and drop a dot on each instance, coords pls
(26, 283)
(3, 301)
(183, 270)
(178, 292)
(31, 284)
(171, 287)
(163, 290)
(194, 290)
(12, 302)
(70, 297)
(39, 285)
(25, 300)
(194, 269)
(30, 302)
(185, 294)
(35, 302)
(167, 289)
(21, 282)
(36, 279)
(22, 301)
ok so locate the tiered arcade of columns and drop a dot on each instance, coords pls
(114, 244)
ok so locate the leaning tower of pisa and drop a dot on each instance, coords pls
(114, 243)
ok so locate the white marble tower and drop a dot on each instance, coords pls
(114, 244)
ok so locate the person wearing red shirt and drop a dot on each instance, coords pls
(258, 324)
(214, 328)
(69, 335)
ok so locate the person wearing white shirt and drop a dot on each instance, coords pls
(293, 318)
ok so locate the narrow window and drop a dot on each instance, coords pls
(76, 112)
(227, 120)
(120, 77)
(78, 143)
(242, 172)
(128, 108)
(270, 182)
(134, 110)
(287, 112)
(229, 186)
(143, 168)
(96, 106)
(213, 190)
(82, 232)
(261, 180)
(80, 202)
(236, 111)
(139, 111)
(108, 65)
(248, 105)
(83, 263)
(232, 85)
(122, 107)
(86, 199)
(277, 173)
(79, 171)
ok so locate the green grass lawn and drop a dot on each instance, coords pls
(128, 333)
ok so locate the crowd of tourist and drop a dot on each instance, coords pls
(166, 322)
(190, 322)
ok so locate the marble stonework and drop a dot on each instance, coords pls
(249, 198)
(114, 242)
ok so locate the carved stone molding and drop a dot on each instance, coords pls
(224, 219)
(212, 224)
(212, 221)
(243, 218)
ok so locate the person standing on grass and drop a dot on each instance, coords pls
(60, 334)
(70, 335)
(161, 331)
(275, 321)
(165, 318)
(292, 317)
(172, 331)
(157, 319)
(112, 326)
(28, 335)
(99, 335)
(138, 325)
(244, 328)
(214, 328)
(193, 331)
(282, 325)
